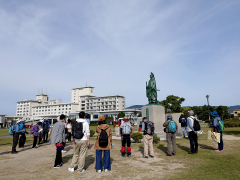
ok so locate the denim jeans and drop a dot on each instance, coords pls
(220, 145)
(184, 132)
(193, 141)
(106, 159)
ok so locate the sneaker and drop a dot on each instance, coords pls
(34, 147)
(99, 171)
(123, 156)
(129, 156)
(168, 155)
(173, 154)
(145, 157)
(57, 166)
(151, 156)
(14, 152)
(61, 163)
(83, 170)
(71, 169)
(63, 151)
(218, 150)
(106, 170)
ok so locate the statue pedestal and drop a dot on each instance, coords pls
(156, 114)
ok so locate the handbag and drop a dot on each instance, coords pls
(59, 146)
(214, 136)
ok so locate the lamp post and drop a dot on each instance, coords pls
(207, 96)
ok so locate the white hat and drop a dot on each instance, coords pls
(19, 120)
(41, 120)
(58, 118)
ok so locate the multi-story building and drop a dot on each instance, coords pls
(82, 99)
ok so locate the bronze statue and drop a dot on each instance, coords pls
(151, 90)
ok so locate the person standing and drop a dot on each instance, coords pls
(216, 128)
(125, 131)
(69, 127)
(40, 133)
(22, 138)
(45, 130)
(88, 119)
(16, 132)
(171, 129)
(35, 134)
(58, 137)
(183, 121)
(193, 138)
(147, 139)
(81, 139)
(103, 145)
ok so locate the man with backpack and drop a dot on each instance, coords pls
(22, 138)
(192, 129)
(218, 126)
(81, 139)
(15, 131)
(170, 129)
(45, 130)
(148, 131)
(183, 121)
(126, 131)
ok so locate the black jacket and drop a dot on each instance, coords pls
(181, 119)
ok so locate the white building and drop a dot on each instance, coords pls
(82, 99)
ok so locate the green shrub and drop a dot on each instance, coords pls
(137, 136)
(156, 139)
(92, 132)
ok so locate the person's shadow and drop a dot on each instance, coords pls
(204, 146)
(89, 160)
(184, 148)
(162, 148)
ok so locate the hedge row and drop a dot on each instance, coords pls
(231, 124)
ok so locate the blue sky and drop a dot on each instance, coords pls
(192, 47)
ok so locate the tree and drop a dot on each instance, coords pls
(121, 114)
(140, 115)
(223, 112)
(172, 104)
(204, 114)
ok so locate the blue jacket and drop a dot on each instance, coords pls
(88, 120)
(22, 127)
(216, 123)
(46, 126)
(17, 128)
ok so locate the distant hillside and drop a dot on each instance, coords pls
(230, 108)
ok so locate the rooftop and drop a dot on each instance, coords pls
(105, 96)
(83, 87)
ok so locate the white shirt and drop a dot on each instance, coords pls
(86, 130)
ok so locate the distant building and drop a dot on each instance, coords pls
(235, 112)
(82, 99)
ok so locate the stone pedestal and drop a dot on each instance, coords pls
(156, 114)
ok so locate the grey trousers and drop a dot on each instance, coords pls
(171, 137)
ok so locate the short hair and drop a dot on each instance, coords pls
(81, 114)
(102, 122)
(87, 116)
(62, 116)
(69, 120)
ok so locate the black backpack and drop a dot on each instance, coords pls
(196, 125)
(77, 130)
(103, 138)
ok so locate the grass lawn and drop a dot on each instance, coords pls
(4, 132)
(207, 164)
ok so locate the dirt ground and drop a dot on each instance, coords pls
(38, 163)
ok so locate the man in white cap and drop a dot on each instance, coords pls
(16, 132)
(40, 133)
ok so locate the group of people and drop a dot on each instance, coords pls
(192, 130)
(80, 131)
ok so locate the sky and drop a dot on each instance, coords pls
(192, 47)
